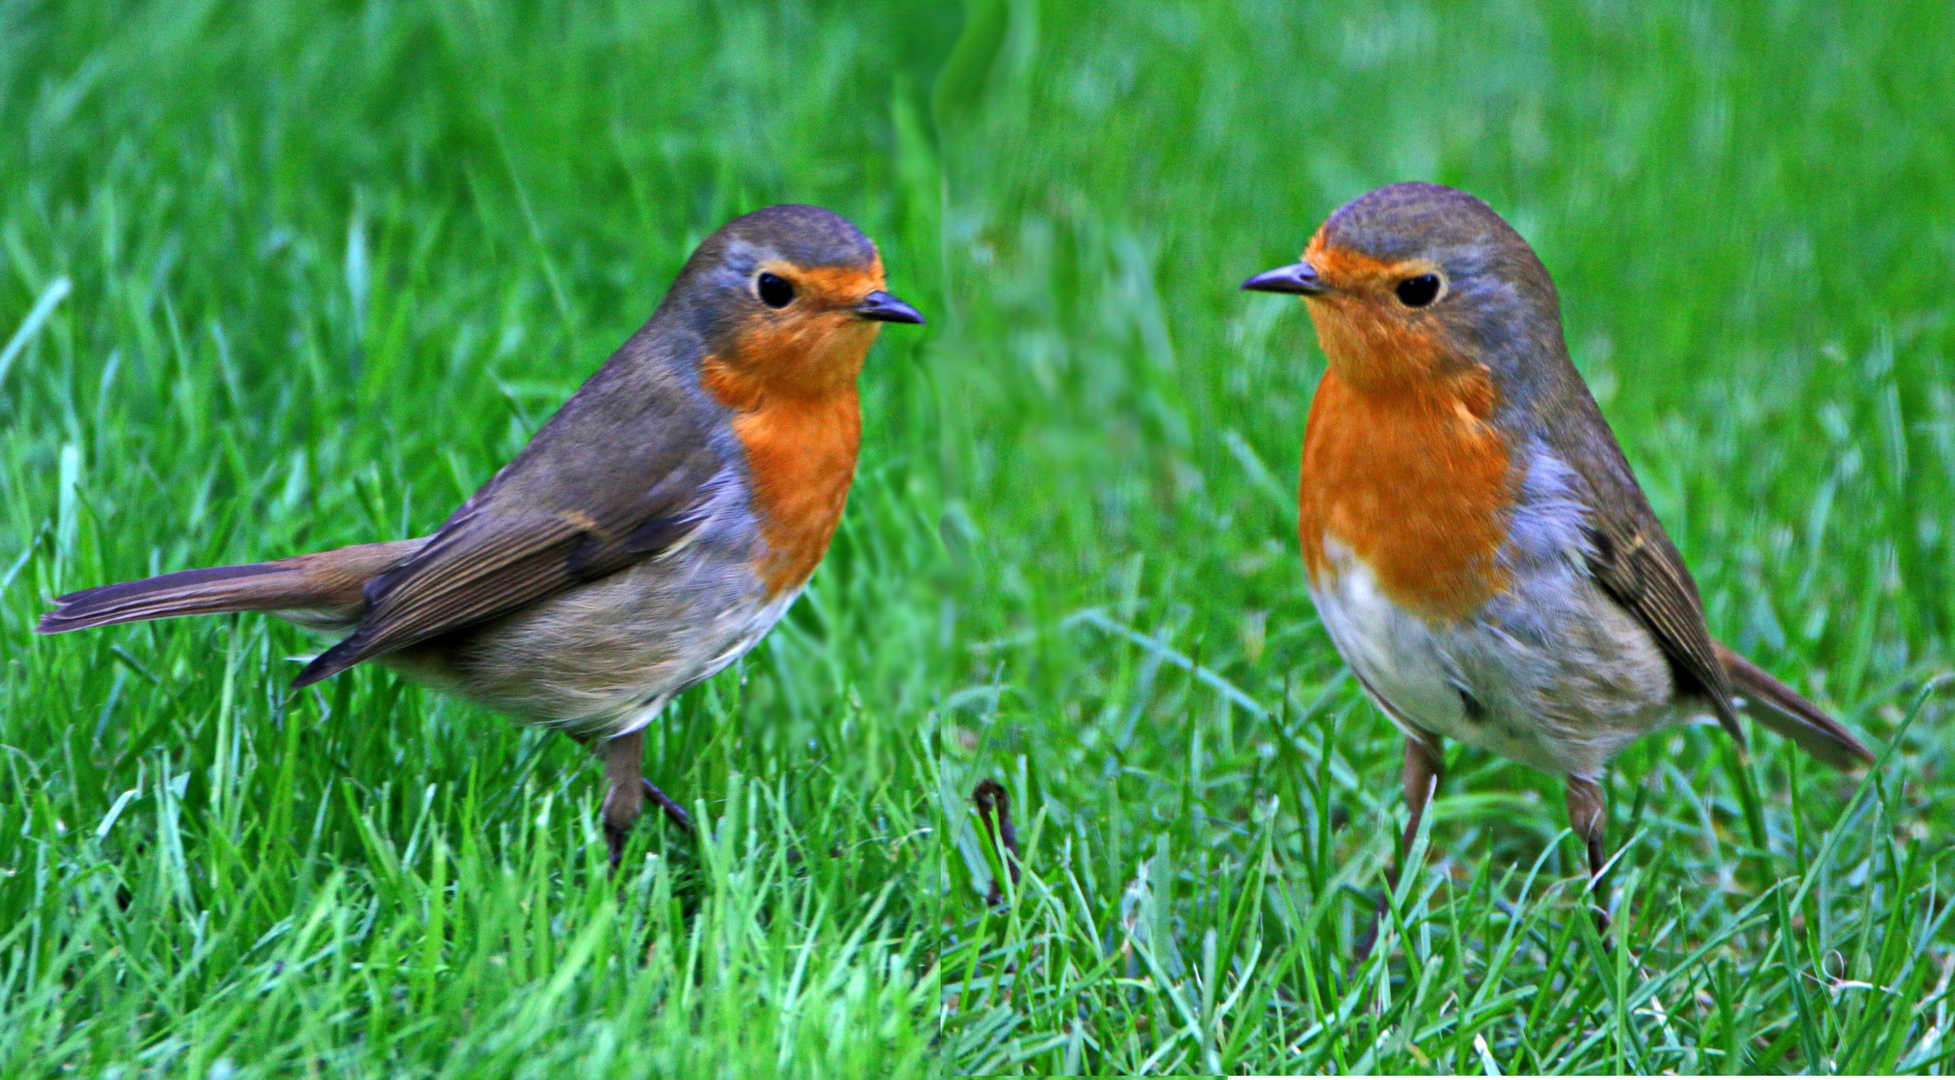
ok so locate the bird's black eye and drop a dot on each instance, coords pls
(1418, 291)
(774, 290)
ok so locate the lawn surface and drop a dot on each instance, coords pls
(280, 277)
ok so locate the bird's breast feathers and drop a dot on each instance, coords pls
(1544, 668)
(1416, 483)
(800, 454)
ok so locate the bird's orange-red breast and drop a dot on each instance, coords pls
(650, 533)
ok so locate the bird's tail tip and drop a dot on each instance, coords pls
(1788, 713)
(209, 591)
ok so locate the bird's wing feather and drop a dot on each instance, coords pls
(1630, 554)
(1638, 566)
(512, 544)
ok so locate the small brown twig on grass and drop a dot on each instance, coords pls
(994, 809)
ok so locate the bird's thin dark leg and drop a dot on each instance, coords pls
(1589, 818)
(624, 795)
(1425, 767)
(994, 809)
(626, 790)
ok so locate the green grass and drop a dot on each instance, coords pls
(327, 266)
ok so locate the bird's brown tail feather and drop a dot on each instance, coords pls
(1780, 708)
(326, 585)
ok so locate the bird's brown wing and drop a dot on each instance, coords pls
(489, 560)
(1638, 566)
(615, 477)
(1630, 554)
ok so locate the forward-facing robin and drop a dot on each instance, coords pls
(653, 531)
(1477, 547)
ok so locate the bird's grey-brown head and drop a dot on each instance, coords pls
(788, 262)
(1422, 271)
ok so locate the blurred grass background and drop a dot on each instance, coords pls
(327, 265)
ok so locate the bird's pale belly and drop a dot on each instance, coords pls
(1550, 673)
(600, 660)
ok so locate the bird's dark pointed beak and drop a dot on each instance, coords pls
(883, 307)
(1299, 278)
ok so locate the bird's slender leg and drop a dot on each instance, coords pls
(624, 795)
(1588, 817)
(1425, 767)
(626, 790)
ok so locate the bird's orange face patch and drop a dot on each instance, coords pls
(789, 376)
(813, 345)
(1361, 323)
(1401, 463)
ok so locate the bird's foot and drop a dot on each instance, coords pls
(672, 809)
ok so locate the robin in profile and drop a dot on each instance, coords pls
(650, 533)
(1477, 547)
